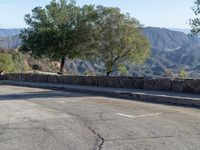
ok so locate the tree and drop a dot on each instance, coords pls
(119, 39)
(60, 30)
(195, 22)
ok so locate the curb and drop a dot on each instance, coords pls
(137, 96)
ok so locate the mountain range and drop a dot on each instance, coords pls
(170, 51)
(186, 31)
(9, 32)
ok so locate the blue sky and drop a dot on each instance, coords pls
(158, 13)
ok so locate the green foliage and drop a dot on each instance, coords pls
(123, 71)
(182, 74)
(195, 22)
(6, 63)
(12, 62)
(63, 29)
(118, 39)
(59, 30)
(18, 60)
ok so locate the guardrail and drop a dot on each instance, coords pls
(165, 84)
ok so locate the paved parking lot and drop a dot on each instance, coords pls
(41, 119)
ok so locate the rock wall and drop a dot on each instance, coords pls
(165, 84)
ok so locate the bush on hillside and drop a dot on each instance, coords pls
(183, 74)
(6, 63)
(12, 62)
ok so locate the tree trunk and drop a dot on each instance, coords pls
(108, 73)
(62, 65)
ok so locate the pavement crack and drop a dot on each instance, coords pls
(100, 141)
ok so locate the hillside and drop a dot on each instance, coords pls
(166, 40)
(171, 50)
(10, 42)
(9, 32)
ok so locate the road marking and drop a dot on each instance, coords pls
(65, 101)
(125, 115)
(156, 114)
(140, 116)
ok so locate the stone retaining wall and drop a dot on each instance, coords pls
(166, 84)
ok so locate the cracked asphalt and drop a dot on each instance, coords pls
(42, 119)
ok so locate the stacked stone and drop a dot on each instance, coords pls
(165, 84)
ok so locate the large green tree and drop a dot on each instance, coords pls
(118, 39)
(195, 22)
(60, 30)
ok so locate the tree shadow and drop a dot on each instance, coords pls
(40, 95)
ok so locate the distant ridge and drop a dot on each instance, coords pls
(186, 31)
(9, 32)
(170, 50)
(10, 42)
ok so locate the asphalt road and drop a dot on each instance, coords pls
(41, 119)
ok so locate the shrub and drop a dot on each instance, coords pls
(19, 62)
(123, 71)
(6, 63)
(182, 74)
(12, 62)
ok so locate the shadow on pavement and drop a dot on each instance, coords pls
(38, 95)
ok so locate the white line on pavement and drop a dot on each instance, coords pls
(125, 115)
(63, 102)
(140, 116)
